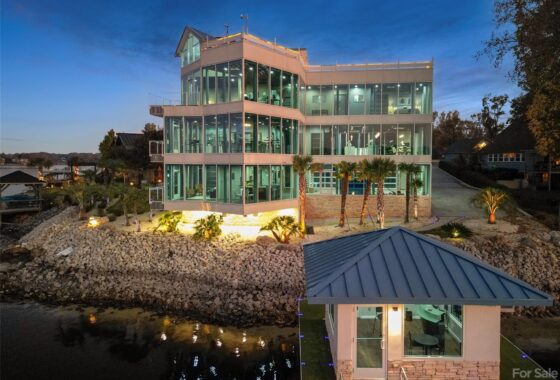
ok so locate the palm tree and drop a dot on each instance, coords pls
(491, 198)
(301, 165)
(366, 174)
(81, 193)
(411, 170)
(382, 167)
(416, 183)
(344, 171)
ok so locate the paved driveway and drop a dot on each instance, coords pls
(450, 198)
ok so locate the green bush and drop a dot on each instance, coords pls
(282, 228)
(208, 228)
(169, 221)
(470, 177)
(451, 230)
(112, 217)
(116, 209)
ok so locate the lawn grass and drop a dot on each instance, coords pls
(315, 349)
(511, 358)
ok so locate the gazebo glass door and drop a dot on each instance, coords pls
(370, 342)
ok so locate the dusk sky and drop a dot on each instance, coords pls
(71, 70)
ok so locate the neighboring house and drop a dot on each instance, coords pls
(16, 188)
(398, 302)
(465, 150)
(249, 105)
(19, 191)
(513, 148)
(127, 140)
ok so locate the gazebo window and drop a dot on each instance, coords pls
(433, 330)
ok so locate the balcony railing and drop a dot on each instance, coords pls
(155, 197)
(156, 151)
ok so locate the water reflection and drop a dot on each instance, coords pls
(140, 344)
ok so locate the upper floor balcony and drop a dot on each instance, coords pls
(156, 150)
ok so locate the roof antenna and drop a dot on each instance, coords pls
(227, 29)
(246, 18)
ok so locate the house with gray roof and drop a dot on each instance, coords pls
(400, 303)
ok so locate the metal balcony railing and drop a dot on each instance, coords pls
(156, 151)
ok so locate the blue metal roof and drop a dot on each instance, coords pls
(400, 266)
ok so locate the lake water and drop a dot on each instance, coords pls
(49, 342)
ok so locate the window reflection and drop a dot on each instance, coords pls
(357, 99)
(423, 98)
(275, 91)
(389, 95)
(250, 81)
(263, 81)
(341, 99)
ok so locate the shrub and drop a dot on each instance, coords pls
(112, 217)
(470, 177)
(116, 209)
(451, 230)
(282, 228)
(169, 221)
(208, 228)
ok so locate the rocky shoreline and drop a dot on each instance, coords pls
(230, 282)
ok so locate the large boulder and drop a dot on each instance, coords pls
(265, 241)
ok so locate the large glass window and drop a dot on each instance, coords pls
(193, 185)
(250, 183)
(313, 139)
(340, 139)
(235, 81)
(287, 87)
(405, 98)
(275, 182)
(264, 134)
(327, 139)
(357, 99)
(209, 78)
(250, 81)
(223, 183)
(174, 182)
(404, 145)
(373, 99)
(422, 139)
(236, 132)
(192, 88)
(327, 100)
(263, 80)
(236, 190)
(341, 99)
(222, 79)
(433, 330)
(223, 133)
(288, 182)
(287, 136)
(210, 134)
(423, 98)
(389, 139)
(211, 183)
(389, 98)
(275, 76)
(174, 134)
(373, 139)
(191, 51)
(276, 133)
(355, 145)
(193, 134)
(264, 183)
(313, 101)
(296, 137)
(295, 86)
(250, 127)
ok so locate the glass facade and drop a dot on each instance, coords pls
(269, 85)
(226, 184)
(368, 139)
(222, 83)
(433, 330)
(191, 51)
(367, 99)
(326, 182)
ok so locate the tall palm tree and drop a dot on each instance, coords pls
(416, 183)
(344, 171)
(411, 171)
(382, 167)
(301, 165)
(367, 175)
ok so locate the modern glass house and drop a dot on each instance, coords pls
(248, 105)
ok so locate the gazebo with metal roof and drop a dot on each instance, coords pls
(20, 202)
(399, 266)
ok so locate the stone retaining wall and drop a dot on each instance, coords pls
(328, 206)
(444, 369)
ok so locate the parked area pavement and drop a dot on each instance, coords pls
(450, 197)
